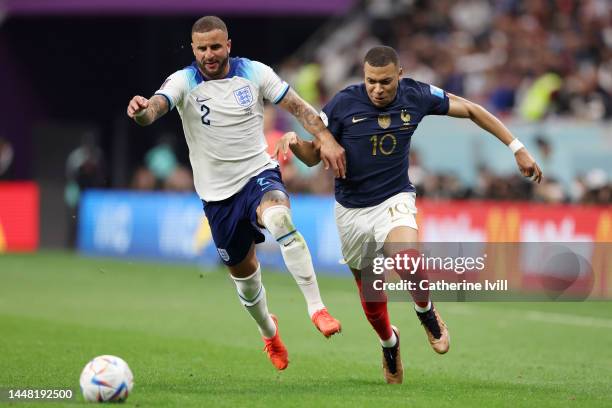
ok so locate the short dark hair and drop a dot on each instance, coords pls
(208, 23)
(381, 56)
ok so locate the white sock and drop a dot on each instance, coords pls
(277, 219)
(390, 342)
(252, 295)
(423, 309)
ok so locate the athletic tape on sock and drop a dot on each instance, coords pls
(277, 220)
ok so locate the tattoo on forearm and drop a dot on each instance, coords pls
(156, 108)
(305, 113)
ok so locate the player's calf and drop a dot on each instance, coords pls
(375, 309)
(435, 328)
(252, 295)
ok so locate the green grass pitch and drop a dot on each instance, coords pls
(190, 344)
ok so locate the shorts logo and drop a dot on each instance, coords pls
(243, 96)
(265, 184)
(223, 254)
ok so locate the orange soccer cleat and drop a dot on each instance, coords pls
(277, 352)
(325, 323)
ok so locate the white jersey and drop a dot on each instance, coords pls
(223, 123)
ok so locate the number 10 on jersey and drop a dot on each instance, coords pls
(386, 144)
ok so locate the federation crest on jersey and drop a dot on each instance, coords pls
(384, 120)
(405, 116)
(243, 96)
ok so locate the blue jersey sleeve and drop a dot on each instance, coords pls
(433, 99)
(331, 115)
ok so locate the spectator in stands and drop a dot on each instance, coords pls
(161, 159)
(143, 179)
(274, 134)
(542, 57)
(180, 180)
(6, 158)
(85, 169)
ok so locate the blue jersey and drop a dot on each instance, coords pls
(377, 140)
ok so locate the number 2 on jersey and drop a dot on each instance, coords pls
(205, 111)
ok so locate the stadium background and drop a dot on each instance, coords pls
(77, 175)
(544, 67)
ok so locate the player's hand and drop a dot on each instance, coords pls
(284, 144)
(137, 105)
(333, 156)
(527, 165)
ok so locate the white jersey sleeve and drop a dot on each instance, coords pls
(174, 88)
(271, 86)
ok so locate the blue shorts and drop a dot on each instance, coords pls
(233, 221)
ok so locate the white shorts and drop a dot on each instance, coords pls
(363, 231)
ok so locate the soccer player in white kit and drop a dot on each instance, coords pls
(220, 101)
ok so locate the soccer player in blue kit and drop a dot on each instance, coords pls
(221, 103)
(375, 203)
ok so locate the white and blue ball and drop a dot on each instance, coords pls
(106, 379)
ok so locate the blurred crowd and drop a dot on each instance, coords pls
(162, 170)
(591, 188)
(526, 59)
(594, 187)
(533, 58)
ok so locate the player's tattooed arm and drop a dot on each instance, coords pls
(331, 153)
(146, 111)
(305, 114)
(463, 108)
(307, 152)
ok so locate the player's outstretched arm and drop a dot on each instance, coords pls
(332, 154)
(308, 152)
(146, 111)
(462, 108)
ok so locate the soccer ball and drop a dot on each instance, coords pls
(106, 379)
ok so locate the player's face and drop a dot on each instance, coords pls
(381, 83)
(211, 50)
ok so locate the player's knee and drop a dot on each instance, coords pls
(277, 220)
(275, 197)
